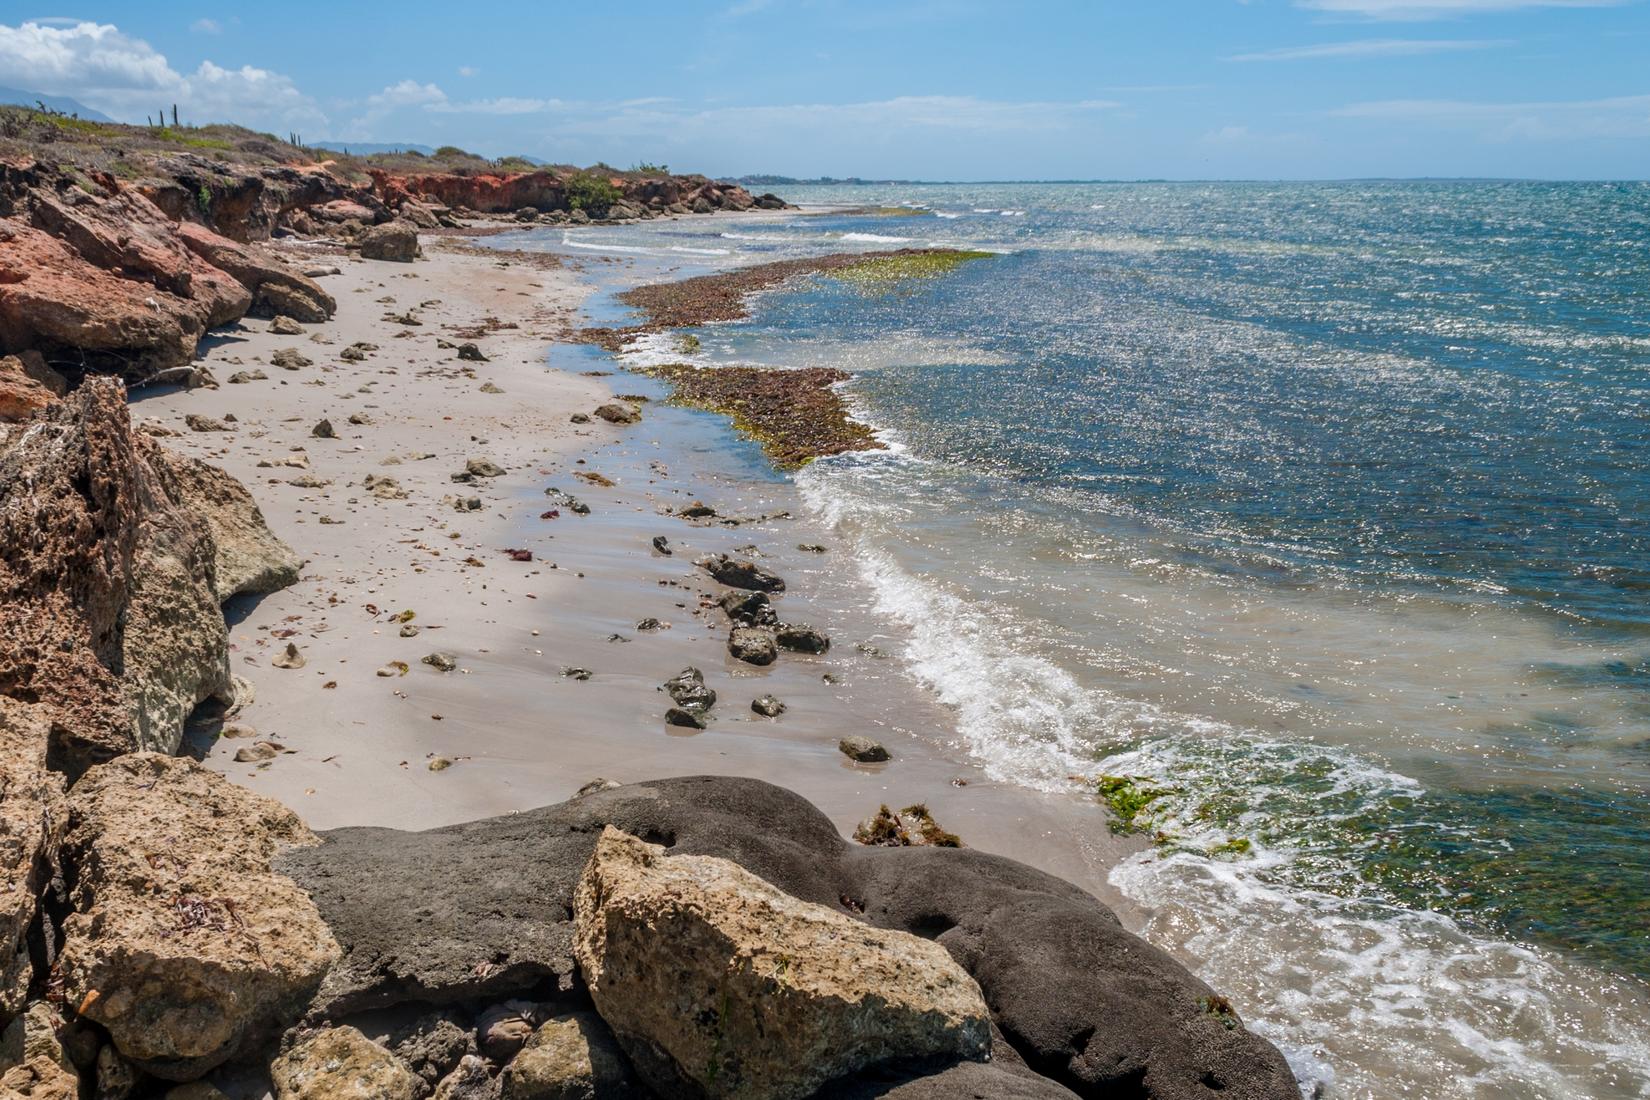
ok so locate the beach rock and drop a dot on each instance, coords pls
(471, 353)
(283, 325)
(469, 1080)
(649, 624)
(570, 1057)
(323, 429)
(741, 573)
(256, 753)
(339, 1063)
(862, 749)
(753, 644)
(750, 608)
(109, 598)
(276, 289)
(768, 706)
(37, 1067)
(686, 719)
(441, 662)
(116, 1078)
(432, 1045)
(289, 657)
(290, 359)
(395, 241)
(183, 944)
(619, 414)
(579, 418)
(687, 688)
(802, 639)
(21, 394)
(717, 983)
(697, 510)
(247, 556)
(1092, 1006)
(200, 423)
(33, 814)
(662, 545)
(241, 377)
(483, 467)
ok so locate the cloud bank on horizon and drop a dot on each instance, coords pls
(921, 89)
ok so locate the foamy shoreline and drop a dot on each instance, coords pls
(520, 733)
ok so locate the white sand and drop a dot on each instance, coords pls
(520, 733)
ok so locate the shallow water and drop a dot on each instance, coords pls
(1324, 510)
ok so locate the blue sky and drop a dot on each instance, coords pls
(934, 89)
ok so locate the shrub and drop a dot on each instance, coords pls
(450, 151)
(591, 193)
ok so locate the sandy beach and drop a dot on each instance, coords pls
(358, 735)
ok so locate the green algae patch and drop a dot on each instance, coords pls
(877, 271)
(1130, 798)
(796, 415)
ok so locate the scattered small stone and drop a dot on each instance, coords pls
(441, 662)
(753, 644)
(649, 624)
(520, 555)
(360, 419)
(408, 630)
(619, 414)
(439, 764)
(489, 387)
(323, 430)
(677, 716)
(750, 608)
(688, 689)
(871, 650)
(568, 500)
(289, 658)
(812, 547)
(309, 481)
(596, 784)
(286, 326)
(802, 639)
(471, 353)
(741, 573)
(384, 488)
(768, 706)
(483, 467)
(394, 668)
(241, 377)
(697, 510)
(290, 359)
(862, 749)
(662, 545)
(575, 672)
(255, 753)
(352, 354)
(199, 423)
(579, 418)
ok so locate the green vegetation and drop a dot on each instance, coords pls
(687, 343)
(447, 151)
(193, 141)
(517, 164)
(1237, 846)
(203, 199)
(1130, 798)
(646, 169)
(592, 193)
(879, 272)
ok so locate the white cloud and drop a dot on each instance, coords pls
(206, 26)
(128, 79)
(395, 97)
(467, 70)
(1370, 47)
(1616, 117)
(1440, 9)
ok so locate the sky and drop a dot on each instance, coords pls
(907, 89)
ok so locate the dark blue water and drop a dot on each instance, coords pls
(1324, 512)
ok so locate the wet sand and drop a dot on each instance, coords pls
(518, 731)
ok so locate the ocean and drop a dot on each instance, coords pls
(1318, 517)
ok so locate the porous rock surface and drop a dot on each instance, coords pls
(182, 943)
(340, 1063)
(719, 985)
(110, 583)
(485, 910)
(33, 815)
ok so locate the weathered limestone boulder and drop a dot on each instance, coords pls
(570, 1057)
(396, 241)
(802, 639)
(753, 644)
(718, 984)
(109, 584)
(741, 573)
(183, 944)
(469, 1080)
(33, 1063)
(342, 1064)
(33, 814)
(276, 290)
(248, 557)
(1096, 1010)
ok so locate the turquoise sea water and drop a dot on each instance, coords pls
(1323, 512)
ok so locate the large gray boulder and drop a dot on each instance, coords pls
(484, 910)
(395, 241)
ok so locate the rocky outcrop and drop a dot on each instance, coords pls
(567, 1057)
(33, 1063)
(33, 815)
(27, 385)
(717, 984)
(276, 290)
(182, 943)
(109, 577)
(484, 910)
(342, 1064)
(546, 190)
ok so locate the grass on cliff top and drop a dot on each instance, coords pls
(880, 271)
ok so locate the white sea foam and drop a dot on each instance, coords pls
(874, 238)
(603, 246)
(701, 251)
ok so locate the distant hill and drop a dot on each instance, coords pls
(367, 148)
(55, 102)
